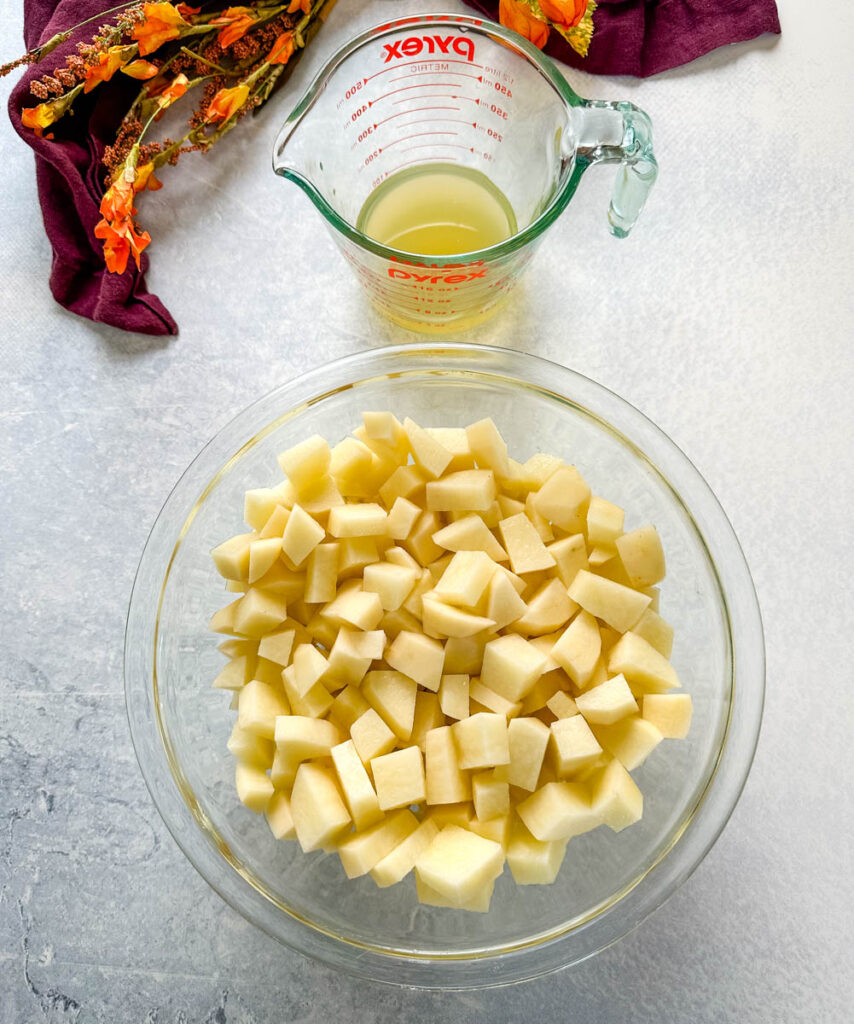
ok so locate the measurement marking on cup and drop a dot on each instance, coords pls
(415, 110)
(418, 135)
(444, 60)
(438, 96)
(434, 120)
(434, 145)
(406, 88)
(445, 71)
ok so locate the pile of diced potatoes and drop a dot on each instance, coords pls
(442, 659)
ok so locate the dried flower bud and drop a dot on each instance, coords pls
(39, 89)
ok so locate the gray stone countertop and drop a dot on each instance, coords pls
(726, 318)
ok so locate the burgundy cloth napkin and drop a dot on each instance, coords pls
(643, 37)
(69, 177)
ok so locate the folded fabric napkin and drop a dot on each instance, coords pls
(69, 177)
(643, 37)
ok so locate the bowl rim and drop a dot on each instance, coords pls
(689, 842)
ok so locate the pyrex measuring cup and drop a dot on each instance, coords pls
(459, 90)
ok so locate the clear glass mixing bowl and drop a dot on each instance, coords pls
(609, 882)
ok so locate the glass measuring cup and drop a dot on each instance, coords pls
(454, 90)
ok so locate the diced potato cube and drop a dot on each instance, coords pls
(320, 498)
(363, 520)
(599, 556)
(446, 782)
(482, 698)
(301, 536)
(305, 738)
(470, 490)
(419, 657)
(608, 702)
(548, 610)
(562, 705)
(540, 523)
(488, 447)
(578, 649)
(231, 558)
(573, 745)
(642, 556)
(503, 605)
(413, 603)
(570, 555)
(321, 576)
(525, 549)
(482, 740)
(392, 696)
(306, 463)
(371, 736)
(235, 674)
(399, 778)
(275, 525)
(511, 666)
(359, 793)
(383, 426)
(257, 708)
(397, 864)
(428, 715)
(350, 658)
(354, 554)
(461, 814)
(318, 811)
(308, 666)
(314, 703)
(279, 817)
(444, 620)
(455, 440)
(466, 578)
(528, 739)
(642, 665)
(277, 646)
(619, 606)
(491, 796)
(558, 810)
(362, 850)
(478, 903)
(428, 453)
(656, 631)
(258, 506)
(357, 608)
(509, 506)
(454, 696)
(420, 543)
(540, 467)
(262, 555)
(564, 499)
(283, 582)
(470, 534)
(616, 799)
(670, 713)
(393, 583)
(464, 654)
(533, 862)
(405, 482)
(497, 829)
(250, 747)
(458, 863)
(258, 612)
(631, 740)
(348, 705)
(402, 518)
(604, 523)
(400, 556)
(254, 787)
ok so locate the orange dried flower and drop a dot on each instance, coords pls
(174, 91)
(519, 17)
(145, 178)
(236, 22)
(120, 241)
(564, 12)
(117, 201)
(186, 11)
(108, 64)
(161, 22)
(38, 118)
(140, 69)
(299, 5)
(227, 102)
(283, 49)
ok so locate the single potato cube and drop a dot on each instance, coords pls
(402, 518)
(306, 463)
(308, 666)
(642, 556)
(304, 738)
(392, 695)
(511, 666)
(393, 583)
(491, 796)
(670, 713)
(464, 654)
(405, 482)
(275, 525)
(657, 633)
(277, 646)
(525, 549)
(399, 778)
(419, 657)
(482, 740)
(235, 674)
(578, 649)
(371, 736)
(558, 810)
(383, 426)
(570, 555)
(354, 554)
(420, 543)
(258, 506)
(348, 661)
(461, 814)
(599, 556)
(479, 902)
(362, 850)
(456, 442)
(548, 610)
(454, 696)
(467, 576)
(470, 534)
(631, 740)
(616, 799)
(481, 698)
(573, 745)
(263, 554)
(496, 829)
(254, 787)
(533, 862)
(321, 576)
(359, 793)
(540, 523)
(431, 456)
(428, 715)
(503, 604)
(318, 811)
(413, 605)
(301, 536)
(540, 467)
(363, 520)
(231, 558)
(470, 490)
(564, 499)
(400, 556)
(444, 620)
(358, 608)
(348, 706)
(257, 708)
(397, 864)
(620, 607)
(562, 705)
(488, 447)
(642, 665)
(313, 704)
(446, 783)
(250, 748)
(279, 817)
(604, 523)
(258, 612)
(528, 739)
(458, 863)
(608, 702)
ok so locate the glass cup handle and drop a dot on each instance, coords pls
(619, 133)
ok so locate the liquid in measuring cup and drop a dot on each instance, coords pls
(437, 209)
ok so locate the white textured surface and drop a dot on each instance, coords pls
(727, 318)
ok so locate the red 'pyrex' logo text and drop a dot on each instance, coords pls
(412, 46)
